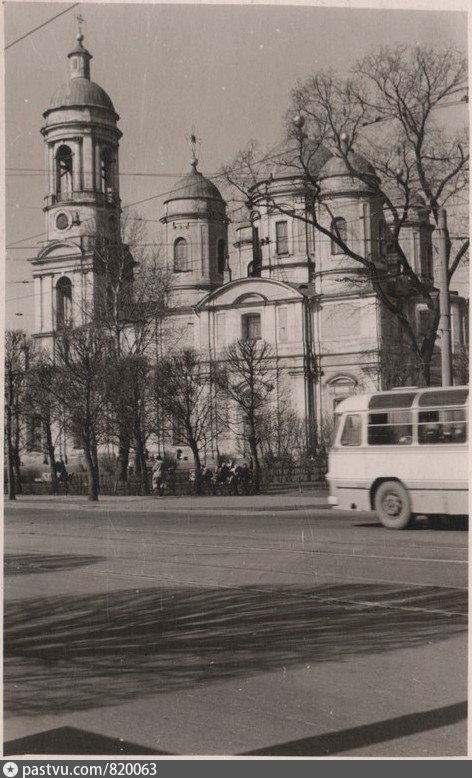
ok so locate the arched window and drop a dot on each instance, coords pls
(63, 171)
(221, 256)
(63, 303)
(106, 170)
(281, 237)
(338, 228)
(341, 387)
(180, 255)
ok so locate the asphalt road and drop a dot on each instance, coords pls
(162, 629)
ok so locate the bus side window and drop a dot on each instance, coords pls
(351, 435)
(392, 428)
(442, 426)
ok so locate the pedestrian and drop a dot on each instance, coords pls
(208, 480)
(233, 479)
(62, 474)
(158, 476)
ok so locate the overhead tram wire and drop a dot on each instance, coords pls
(41, 171)
(354, 220)
(40, 26)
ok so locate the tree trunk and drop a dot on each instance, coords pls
(51, 454)
(9, 431)
(256, 464)
(140, 457)
(198, 467)
(16, 455)
(90, 451)
(123, 455)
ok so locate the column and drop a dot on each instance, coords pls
(52, 169)
(76, 165)
(87, 163)
(38, 305)
(116, 173)
(205, 259)
(48, 307)
(97, 171)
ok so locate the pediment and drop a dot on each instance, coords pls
(245, 291)
(58, 250)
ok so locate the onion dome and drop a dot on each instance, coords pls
(80, 91)
(194, 186)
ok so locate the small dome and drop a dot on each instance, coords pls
(336, 166)
(285, 163)
(282, 168)
(195, 186)
(418, 200)
(80, 91)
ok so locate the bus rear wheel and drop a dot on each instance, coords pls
(392, 504)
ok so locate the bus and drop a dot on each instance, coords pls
(402, 453)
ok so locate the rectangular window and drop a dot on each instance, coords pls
(390, 429)
(251, 326)
(283, 335)
(281, 237)
(351, 435)
(338, 229)
(391, 400)
(416, 252)
(443, 398)
(442, 426)
(424, 321)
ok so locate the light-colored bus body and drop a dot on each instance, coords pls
(416, 438)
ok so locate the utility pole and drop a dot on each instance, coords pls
(9, 431)
(444, 301)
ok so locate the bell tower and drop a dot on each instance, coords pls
(196, 227)
(82, 202)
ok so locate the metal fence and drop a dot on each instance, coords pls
(179, 484)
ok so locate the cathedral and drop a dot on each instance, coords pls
(278, 279)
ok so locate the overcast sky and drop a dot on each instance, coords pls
(227, 70)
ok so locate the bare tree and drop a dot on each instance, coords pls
(461, 365)
(183, 400)
(245, 378)
(42, 405)
(130, 303)
(388, 108)
(81, 385)
(15, 374)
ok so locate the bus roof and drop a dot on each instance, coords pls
(405, 397)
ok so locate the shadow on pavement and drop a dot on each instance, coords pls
(71, 653)
(27, 564)
(69, 740)
(437, 523)
(369, 734)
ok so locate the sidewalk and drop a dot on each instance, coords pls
(291, 501)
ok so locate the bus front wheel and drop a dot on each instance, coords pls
(392, 504)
